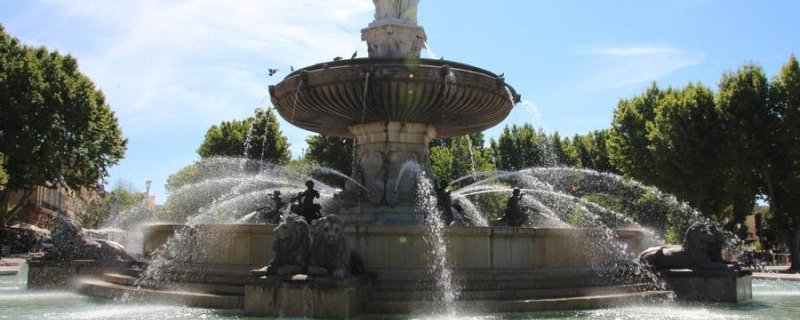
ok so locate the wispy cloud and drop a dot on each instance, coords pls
(630, 65)
(205, 59)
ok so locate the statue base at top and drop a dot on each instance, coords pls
(394, 40)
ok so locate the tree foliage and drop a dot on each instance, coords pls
(459, 156)
(114, 205)
(683, 141)
(56, 127)
(3, 174)
(331, 152)
(590, 151)
(783, 172)
(522, 147)
(258, 137)
(747, 126)
(184, 176)
(628, 142)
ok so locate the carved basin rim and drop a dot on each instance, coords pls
(455, 98)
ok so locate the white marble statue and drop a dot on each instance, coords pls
(404, 11)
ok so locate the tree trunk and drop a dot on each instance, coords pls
(9, 213)
(793, 242)
(4, 195)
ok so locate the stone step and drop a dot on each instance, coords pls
(9, 271)
(126, 280)
(513, 294)
(521, 305)
(472, 275)
(487, 284)
(103, 289)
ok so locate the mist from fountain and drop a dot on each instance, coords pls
(231, 190)
(434, 237)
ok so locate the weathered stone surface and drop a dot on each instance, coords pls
(729, 286)
(701, 249)
(58, 275)
(330, 97)
(316, 298)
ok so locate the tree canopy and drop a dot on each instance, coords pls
(456, 157)
(56, 127)
(3, 173)
(258, 137)
(783, 153)
(122, 207)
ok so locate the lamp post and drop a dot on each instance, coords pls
(147, 185)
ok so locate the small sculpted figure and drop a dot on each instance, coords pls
(515, 215)
(304, 204)
(444, 201)
(701, 249)
(274, 215)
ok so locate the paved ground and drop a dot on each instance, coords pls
(10, 266)
(776, 273)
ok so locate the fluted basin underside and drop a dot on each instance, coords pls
(455, 98)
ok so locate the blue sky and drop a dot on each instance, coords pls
(171, 69)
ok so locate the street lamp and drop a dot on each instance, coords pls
(147, 185)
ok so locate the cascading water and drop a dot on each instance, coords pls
(226, 188)
(434, 237)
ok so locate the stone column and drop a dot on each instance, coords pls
(394, 40)
(394, 33)
(383, 149)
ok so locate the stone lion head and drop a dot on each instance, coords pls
(330, 229)
(291, 227)
(291, 246)
(704, 239)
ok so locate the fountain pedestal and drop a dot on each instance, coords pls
(728, 286)
(384, 149)
(304, 297)
(394, 40)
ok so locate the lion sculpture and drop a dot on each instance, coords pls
(291, 246)
(330, 254)
(701, 249)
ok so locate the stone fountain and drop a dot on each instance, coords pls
(393, 103)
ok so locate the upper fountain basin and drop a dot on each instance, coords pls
(455, 98)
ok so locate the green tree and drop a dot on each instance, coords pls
(267, 140)
(258, 137)
(684, 141)
(601, 160)
(331, 152)
(783, 173)
(57, 129)
(627, 140)
(226, 139)
(563, 150)
(459, 156)
(747, 121)
(184, 176)
(3, 174)
(521, 147)
(114, 208)
(584, 146)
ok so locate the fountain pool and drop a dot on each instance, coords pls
(771, 300)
